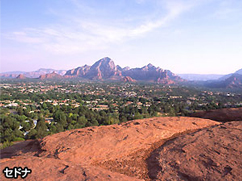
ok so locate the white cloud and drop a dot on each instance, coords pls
(80, 35)
(25, 37)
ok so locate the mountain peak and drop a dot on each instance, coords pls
(238, 71)
(150, 65)
(104, 62)
(103, 69)
(106, 59)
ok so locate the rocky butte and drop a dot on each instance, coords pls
(105, 69)
(52, 75)
(21, 76)
(161, 148)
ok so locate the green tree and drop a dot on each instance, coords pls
(92, 122)
(59, 127)
(81, 122)
(32, 134)
(41, 129)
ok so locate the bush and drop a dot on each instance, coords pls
(19, 139)
(6, 144)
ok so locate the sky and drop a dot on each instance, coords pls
(184, 36)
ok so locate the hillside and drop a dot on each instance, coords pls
(229, 75)
(233, 81)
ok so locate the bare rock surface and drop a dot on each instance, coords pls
(115, 152)
(223, 115)
(95, 144)
(47, 169)
(214, 153)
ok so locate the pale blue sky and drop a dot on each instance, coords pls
(184, 36)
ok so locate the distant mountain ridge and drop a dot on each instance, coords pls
(206, 77)
(229, 75)
(233, 81)
(33, 74)
(239, 71)
(200, 77)
(153, 74)
(105, 69)
(79, 71)
(52, 75)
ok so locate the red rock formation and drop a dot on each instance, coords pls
(52, 75)
(21, 76)
(115, 152)
(152, 74)
(6, 75)
(210, 154)
(103, 69)
(127, 79)
(226, 114)
(78, 72)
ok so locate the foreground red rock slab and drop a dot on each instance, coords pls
(102, 143)
(115, 152)
(214, 153)
(47, 169)
(223, 115)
